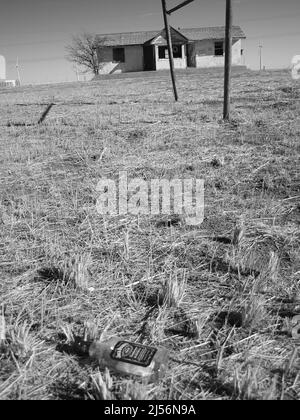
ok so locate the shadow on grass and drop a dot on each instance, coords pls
(219, 265)
(78, 347)
(68, 390)
(233, 319)
(51, 274)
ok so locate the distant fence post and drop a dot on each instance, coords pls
(228, 60)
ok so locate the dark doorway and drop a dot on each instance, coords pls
(149, 58)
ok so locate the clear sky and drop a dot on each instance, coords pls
(37, 31)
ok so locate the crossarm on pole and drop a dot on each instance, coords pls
(185, 3)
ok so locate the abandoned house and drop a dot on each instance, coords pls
(146, 51)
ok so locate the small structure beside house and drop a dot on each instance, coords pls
(9, 83)
(3, 81)
(2, 68)
(147, 51)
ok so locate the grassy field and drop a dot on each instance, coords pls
(223, 308)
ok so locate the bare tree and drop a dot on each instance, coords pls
(82, 51)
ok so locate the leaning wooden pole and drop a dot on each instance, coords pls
(170, 48)
(228, 59)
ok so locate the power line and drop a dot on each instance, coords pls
(23, 44)
(270, 18)
(287, 34)
(37, 60)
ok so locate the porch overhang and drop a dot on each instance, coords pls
(160, 38)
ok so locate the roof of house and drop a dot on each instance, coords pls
(126, 38)
(218, 32)
(192, 34)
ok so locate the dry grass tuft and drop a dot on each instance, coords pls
(136, 392)
(20, 343)
(246, 383)
(254, 312)
(76, 271)
(2, 328)
(173, 289)
(101, 387)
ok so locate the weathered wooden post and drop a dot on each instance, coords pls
(170, 48)
(228, 60)
(166, 14)
(260, 57)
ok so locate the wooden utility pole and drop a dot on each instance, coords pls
(260, 57)
(170, 48)
(228, 59)
(18, 71)
(166, 14)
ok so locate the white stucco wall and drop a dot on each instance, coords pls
(203, 54)
(2, 68)
(164, 64)
(134, 60)
(243, 56)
